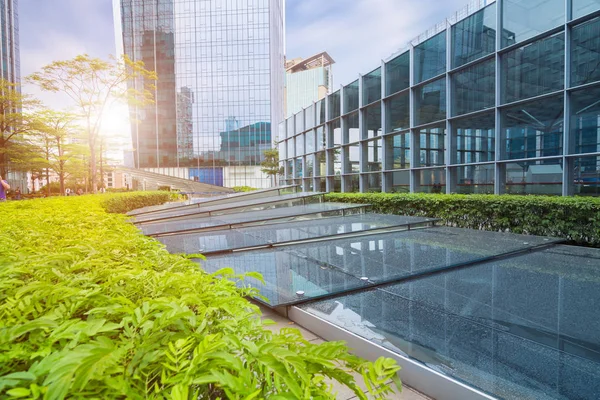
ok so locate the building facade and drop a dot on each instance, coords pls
(464, 109)
(220, 85)
(307, 81)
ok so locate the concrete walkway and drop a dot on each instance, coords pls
(343, 393)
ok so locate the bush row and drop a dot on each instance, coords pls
(121, 203)
(90, 308)
(576, 219)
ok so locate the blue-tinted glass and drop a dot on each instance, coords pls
(334, 105)
(585, 117)
(430, 58)
(432, 146)
(300, 122)
(335, 133)
(472, 179)
(372, 86)
(321, 166)
(474, 88)
(300, 145)
(353, 157)
(524, 19)
(320, 106)
(282, 146)
(321, 138)
(534, 177)
(310, 141)
(309, 117)
(374, 156)
(397, 74)
(474, 36)
(474, 139)
(398, 112)
(534, 69)
(399, 156)
(308, 169)
(533, 129)
(585, 51)
(350, 97)
(373, 120)
(583, 7)
(586, 174)
(430, 102)
(351, 133)
(298, 168)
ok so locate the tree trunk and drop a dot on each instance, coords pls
(3, 169)
(61, 167)
(48, 182)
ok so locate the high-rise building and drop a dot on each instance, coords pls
(306, 81)
(502, 97)
(220, 67)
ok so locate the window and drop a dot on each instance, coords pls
(430, 58)
(397, 74)
(474, 37)
(430, 102)
(474, 88)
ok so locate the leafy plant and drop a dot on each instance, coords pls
(90, 308)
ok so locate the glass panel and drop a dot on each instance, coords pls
(291, 129)
(308, 184)
(430, 58)
(400, 154)
(310, 141)
(309, 117)
(300, 122)
(337, 160)
(337, 183)
(372, 86)
(534, 69)
(321, 185)
(321, 164)
(474, 37)
(585, 117)
(352, 183)
(430, 102)
(374, 156)
(522, 20)
(397, 74)
(584, 7)
(373, 182)
(373, 118)
(320, 110)
(334, 104)
(474, 179)
(474, 88)
(586, 172)
(335, 132)
(289, 169)
(351, 97)
(534, 177)
(352, 133)
(585, 50)
(290, 148)
(300, 145)
(533, 129)
(353, 158)
(431, 146)
(398, 110)
(308, 167)
(281, 131)
(282, 146)
(400, 181)
(474, 139)
(432, 180)
(321, 138)
(298, 168)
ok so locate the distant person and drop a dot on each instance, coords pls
(4, 187)
(102, 190)
(67, 192)
(79, 192)
(18, 194)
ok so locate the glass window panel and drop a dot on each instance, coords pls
(586, 172)
(584, 7)
(281, 131)
(310, 141)
(585, 52)
(400, 181)
(398, 112)
(321, 166)
(300, 145)
(309, 117)
(533, 129)
(473, 179)
(585, 120)
(474, 139)
(372, 86)
(524, 19)
(289, 173)
(474, 36)
(399, 156)
(352, 183)
(335, 154)
(351, 97)
(534, 177)
(374, 156)
(373, 119)
(308, 167)
(534, 69)
(432, 180)
(282, 148)
(352, 133)
(431, 146)
(353, 157)
(321, 185)
(308, 185)
(430, 102)
(298, 168)
(474, 88)
(321, 138)
(337, 183)
(320, 112)
(335, 132)
(290, 148)
(373, 182)
(430, 58)
(334, 104)
(397, 74)
(300, 122)
(291, 129)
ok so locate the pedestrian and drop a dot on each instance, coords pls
(4, 187)
(18, 194)
(67, 192)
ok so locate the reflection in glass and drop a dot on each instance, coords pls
(290, 148)
(282, 146)
(534, 69)
(432, 180)
(472, 179)
(430, 58)
(474, 139)
(585, 50)
(310, 141)
(321, 138)
(584, 7)
(474, 37)
(373, 182)
(374, 156)
(372, 86)
(400, 181)
(308, 167)
(585, 117)
(335, 133)
(321, 166)
(432, 146)
(430, 102)
(320, 110)
(353, 157)
(352, 183)
(300, 122)
(352, 133)
(533, 129)
(586, 173)
(373, 120)
(399, 157)
(334, 104)
(522, 20)
(398, 110)
(300, 145)
(350, 97)
(298, 168)
(474, 88)
(397, 74)
(309, 117)
(534, 177)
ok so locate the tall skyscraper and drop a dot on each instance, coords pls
(9, 23)
(220, 85)
(307, 81)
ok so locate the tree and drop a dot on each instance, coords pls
(94, 85)
(270, 165)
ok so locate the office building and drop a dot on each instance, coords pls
(307, 81)
(463, 109)
(220, 67)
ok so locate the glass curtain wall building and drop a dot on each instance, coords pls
(219, 90)
(464, 109)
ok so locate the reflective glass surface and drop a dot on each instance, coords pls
(474, 179)
(585, 50)
(474, 37)
(353, 157)
(309, 141)
(583, 7)
(534, 177)
(522, 328)
(534, 69)
(309, 117)
(321, 138)
(474, 139)
(522, 20)
(432, 180)
(335, 132)
(320, 110)
(334, 104)
(373, 182)
(372, 86)
(474, 88)
(432, 146)
(400, 181)
(399, 156)
(585, 117)
(586, 173)
(321, 164)
(300, 145)
(351, 132)
(299, 122)
(374, 156)
(397, 74)
(352, 183)
(350, 97)
(430, 102)
(398, 112)
(430, 58)
(372, 116)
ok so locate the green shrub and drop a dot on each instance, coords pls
(238, 189)
(576, 219)
(123, 202)
(90, 308)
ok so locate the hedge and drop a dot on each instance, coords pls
(576, 219)
(91, 308)
(123, 202)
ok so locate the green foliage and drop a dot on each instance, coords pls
(90, 308)
(576, 219)
(239, 189)
(123, 202)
